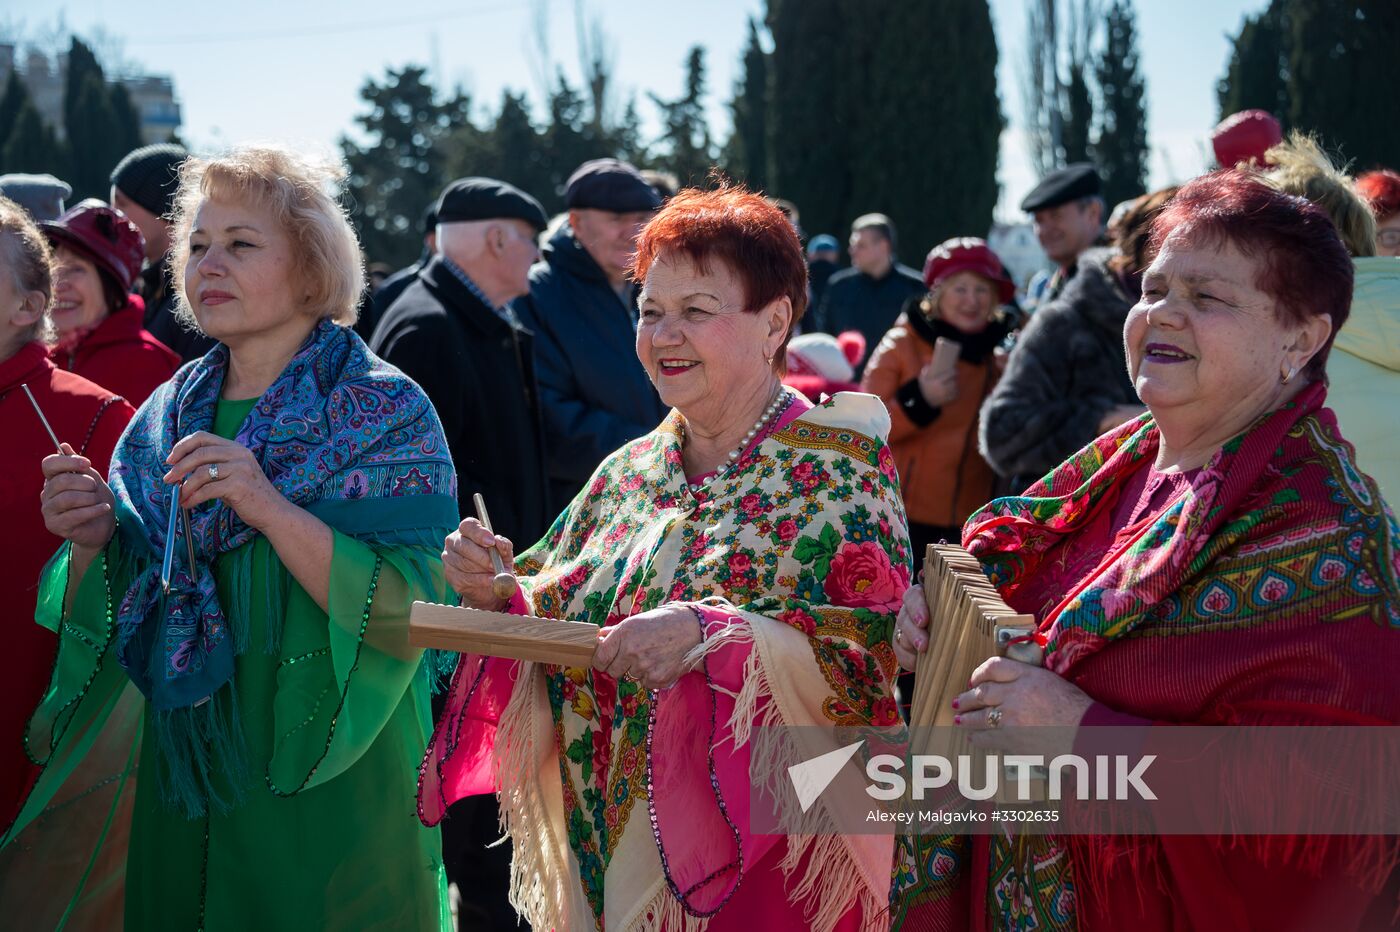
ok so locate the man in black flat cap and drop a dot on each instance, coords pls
(1069, 215)
(454, 333)
(143, 188)
(594, 393)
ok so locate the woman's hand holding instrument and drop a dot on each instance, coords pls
(467, 562)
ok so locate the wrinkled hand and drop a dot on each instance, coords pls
(241, 485)
(938, 390)
(649, 647)
(1027, 696)
(911, 628)
(77, 504)
(1118, 414)
(466, 561)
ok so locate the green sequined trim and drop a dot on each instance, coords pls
(359, 646)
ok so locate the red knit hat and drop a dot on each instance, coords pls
(1245, 137)
(968, 254)
(105, 235)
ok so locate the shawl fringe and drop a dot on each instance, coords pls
(195, 743)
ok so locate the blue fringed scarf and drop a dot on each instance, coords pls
(337, 426)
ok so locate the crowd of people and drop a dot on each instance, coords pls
(239, 452)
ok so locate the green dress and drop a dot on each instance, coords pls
(321, 831)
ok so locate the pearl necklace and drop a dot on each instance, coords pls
(779, 402)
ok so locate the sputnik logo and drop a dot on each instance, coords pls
(811, 777)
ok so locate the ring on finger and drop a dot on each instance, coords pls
(994, 717)
(213, 471)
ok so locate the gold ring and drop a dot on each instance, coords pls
(994, 717)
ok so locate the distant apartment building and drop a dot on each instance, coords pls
(153, 96)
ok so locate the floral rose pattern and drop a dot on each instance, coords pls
(808, 530)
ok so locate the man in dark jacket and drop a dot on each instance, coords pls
(143, 188)
(594, 393)
(1066, 381)
(453, 332)
(870, 294)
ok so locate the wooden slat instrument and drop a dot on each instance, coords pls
(498, 634)
(968, 623)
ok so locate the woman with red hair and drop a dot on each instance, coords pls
(1219, 560)
(1381, 189)
(744, 562)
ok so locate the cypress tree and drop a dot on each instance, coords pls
(1256, 77)
(100, 123)
(746, 153)
(923, 105)
(11, 103)
(127, 122)
(1342, 66)
(32, 146)
(809, 137)
(1121, 149)
(1079, 115)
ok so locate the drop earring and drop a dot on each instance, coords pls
(1288, 376)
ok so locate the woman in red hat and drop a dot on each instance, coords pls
(933, 403)
(100, 337)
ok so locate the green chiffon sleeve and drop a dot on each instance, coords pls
(87, 680)
(343, 674)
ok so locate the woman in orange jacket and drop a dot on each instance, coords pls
(933, 407)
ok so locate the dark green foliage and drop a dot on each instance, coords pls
(11, 103)
(399, 171)
(1322, 66)
(1343, 69)
(1121, 149)
(686, 148)
(889, 108)
(1255, 78)
(745, 155)
(100, 123)
(1079, 115)
(32, 146)
(809, 138)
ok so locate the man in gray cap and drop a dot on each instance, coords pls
(41, 195)
(454, 333)
(1069, 216)
(143, 187)
(583, 309)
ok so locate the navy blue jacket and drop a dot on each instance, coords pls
(856, 301)
(594, 394)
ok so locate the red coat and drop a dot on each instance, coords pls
(90, 419)
(121, 355)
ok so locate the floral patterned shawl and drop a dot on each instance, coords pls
(1282, 552)
(629, 809)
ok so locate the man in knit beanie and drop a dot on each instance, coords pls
(143, 188)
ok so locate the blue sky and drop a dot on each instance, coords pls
(258, 70)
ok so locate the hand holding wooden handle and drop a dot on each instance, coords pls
(504, 583)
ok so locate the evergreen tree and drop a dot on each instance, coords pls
(1342, 68)
(685, 136)
(1121, 148)
(1256, 77)
(32, 146)
(1079, 115)
(127, 122)
(99, 121)
(809, 141)
(399, 170)
(11, 103)
(745, 155)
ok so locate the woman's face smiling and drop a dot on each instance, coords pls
(966, 301)
(706, 354)
(1205, 338)
(77, 292)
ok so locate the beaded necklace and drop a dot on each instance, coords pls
(780, 401)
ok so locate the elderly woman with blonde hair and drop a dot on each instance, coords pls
(271, 513)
